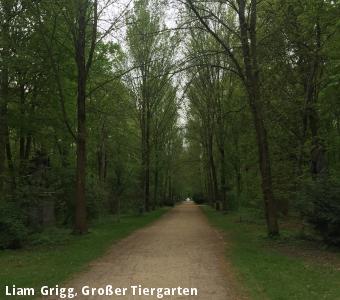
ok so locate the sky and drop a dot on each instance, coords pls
(114, 10)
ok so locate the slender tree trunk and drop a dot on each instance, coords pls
(220, 134)
(207, 171)
(170, 195)
(102, 154)
(155, 196)
(22, 145)
(4, 90)
(221, 145)
(102, 161)
(145, 131)
(213, 170)
(210, 188)
(156, 179)
(3, 127)
(265, 169)
(318, 151)
(10, 160)
(145, 180)
(28, 147)
(237, 168)
(147, 161)
(143, 151)
(165, 187)
(80, 226)
(9, 153)
(223, 179)
(63, 152)
(249, 51)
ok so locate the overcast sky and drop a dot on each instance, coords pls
(114, 14)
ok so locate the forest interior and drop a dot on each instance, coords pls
(113, 112)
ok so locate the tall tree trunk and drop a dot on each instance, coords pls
(210, 188)
(237, 168)
(220, 139)
(156, 189)
(102, 162)
(145, 174)
(223, 179)
(170, 195)
(4, 89)
(249, 51)
(156, 178)
(318, 151)
(165, 188)
(80, 226)
(212, 168)
(10, 160)
(145, 131)
(22, 145)
(28, 147)
(147, 161)
(143, 151)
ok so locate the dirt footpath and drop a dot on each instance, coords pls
(180, 249)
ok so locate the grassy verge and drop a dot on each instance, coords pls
(266, 271)
(65, 255)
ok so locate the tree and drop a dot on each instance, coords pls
(83, 69)
(249, 72)
(5, 7)
(151, 52)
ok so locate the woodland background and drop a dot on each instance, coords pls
(110, 108)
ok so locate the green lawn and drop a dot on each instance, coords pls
(66, 254)
(268, 273)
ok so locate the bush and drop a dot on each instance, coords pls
(97, 196)
(51, 236)
(320, 206)
(12, 229)
(233, 201)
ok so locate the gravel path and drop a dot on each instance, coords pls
(179, 250)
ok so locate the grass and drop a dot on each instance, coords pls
(64, 254)
(268, 273)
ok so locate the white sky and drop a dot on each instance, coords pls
(115, 10)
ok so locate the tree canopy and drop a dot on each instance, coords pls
(119, 106)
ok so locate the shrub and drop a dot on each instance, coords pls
(320, 205)
(233, 200)
(97, 196)
(12, 229)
